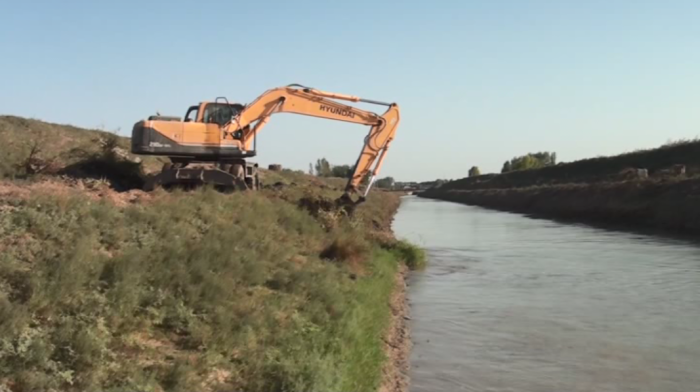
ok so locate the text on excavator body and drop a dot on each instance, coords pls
(338, 111)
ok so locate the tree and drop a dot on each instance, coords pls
(526, 162)
(323, 168)
(342, 171)
(311, 169)
(530, 161)
(506, 167)
(474, 171)
(385, 183)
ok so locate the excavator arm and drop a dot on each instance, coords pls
(311, 102)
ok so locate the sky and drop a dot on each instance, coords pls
(477, 82)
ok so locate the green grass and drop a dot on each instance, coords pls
(363, 355)
(160, 296)
(413, 256)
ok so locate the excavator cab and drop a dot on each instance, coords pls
(220, 113)
(200, 136)
(200, 148)
(213, 112)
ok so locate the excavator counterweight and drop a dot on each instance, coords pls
(223, 134)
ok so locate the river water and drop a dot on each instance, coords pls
(510, 303)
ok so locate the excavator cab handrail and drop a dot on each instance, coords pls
(216, 100)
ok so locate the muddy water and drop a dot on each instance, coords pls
(510, 303)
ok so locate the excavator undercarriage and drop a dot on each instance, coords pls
(237, 175)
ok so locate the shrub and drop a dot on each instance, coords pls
(412, 255)
(348, 247)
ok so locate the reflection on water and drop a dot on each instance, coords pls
(510, 303)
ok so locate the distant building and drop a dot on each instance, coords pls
(407, 186)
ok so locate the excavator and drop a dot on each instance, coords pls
(213, 141)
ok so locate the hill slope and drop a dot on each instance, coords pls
(179, 291)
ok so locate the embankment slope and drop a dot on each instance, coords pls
(178, 291)
(589, 191)
(591, 170)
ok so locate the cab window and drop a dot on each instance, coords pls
(220, 113)
(191, 115)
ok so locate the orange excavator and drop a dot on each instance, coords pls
(213, 142)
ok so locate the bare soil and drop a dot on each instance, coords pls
(69, 187)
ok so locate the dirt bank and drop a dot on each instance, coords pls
(670, 205)
(397, 342)
(67, 187)
(592, 170)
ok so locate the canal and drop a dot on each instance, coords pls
(510, 303)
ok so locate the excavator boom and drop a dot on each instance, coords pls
(311, 102)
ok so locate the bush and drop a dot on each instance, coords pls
(347, 247)
(412, 255)
(110, 163)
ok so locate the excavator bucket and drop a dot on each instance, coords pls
(346, 200)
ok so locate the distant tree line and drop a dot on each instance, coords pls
(385, 183)
(530, 161)
(524, 162)
(323, 168)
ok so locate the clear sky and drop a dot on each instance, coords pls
(478, 82)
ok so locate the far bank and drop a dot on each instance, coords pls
(668, 205)
(656, 189)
